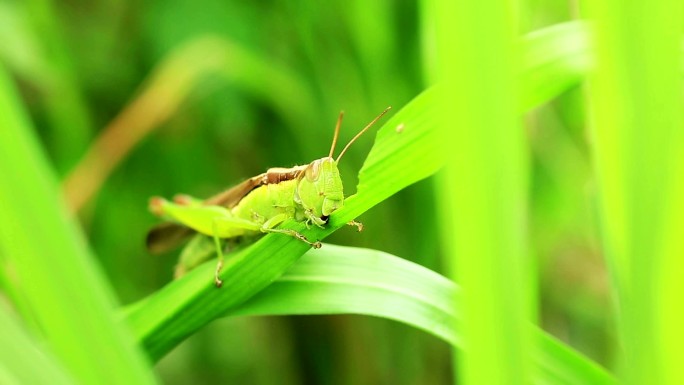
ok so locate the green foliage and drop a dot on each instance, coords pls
(21, 354)
(193, 96)
(483, 225)
(635, 95)
(46, 265)
(334, 280)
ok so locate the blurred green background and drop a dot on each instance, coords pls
(231, 88)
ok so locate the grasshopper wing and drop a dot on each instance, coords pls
(167, 236)
(231, 197)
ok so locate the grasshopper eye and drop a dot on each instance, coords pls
(313, 171)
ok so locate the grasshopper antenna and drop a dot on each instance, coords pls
(361, 132)
(337, 133)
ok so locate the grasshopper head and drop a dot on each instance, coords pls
(331, 184)
(320, 190)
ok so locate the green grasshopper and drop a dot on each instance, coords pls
(308, 193)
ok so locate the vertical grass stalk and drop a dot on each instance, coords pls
(636, 102)
(482, 190)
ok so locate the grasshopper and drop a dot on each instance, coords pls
(308, 193)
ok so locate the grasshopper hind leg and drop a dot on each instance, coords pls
(220, 227)
(223, 247)
(229, 245)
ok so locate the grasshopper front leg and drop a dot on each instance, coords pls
(268, 227)
(312, 218)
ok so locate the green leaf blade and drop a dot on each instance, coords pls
(635, 98)
(48, 270)
(21, 354)
(345, 280)
(482, 190)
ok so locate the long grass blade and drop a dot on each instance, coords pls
(636, 100)
(21, 354)
(345, 280)
(47, 268)
(482, 190)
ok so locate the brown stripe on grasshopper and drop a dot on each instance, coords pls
(232, 196)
